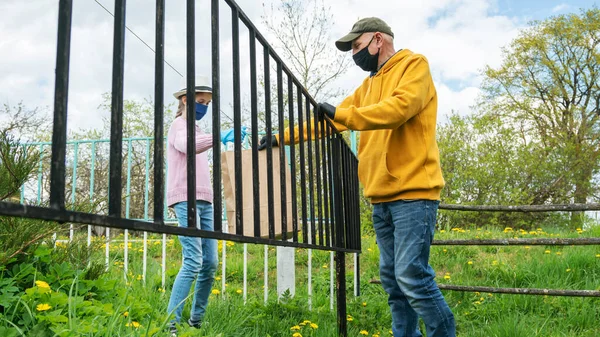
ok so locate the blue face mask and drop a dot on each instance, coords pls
(200, 110)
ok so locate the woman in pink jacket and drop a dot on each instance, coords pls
(200, 258)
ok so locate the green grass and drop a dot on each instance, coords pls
(99, 309)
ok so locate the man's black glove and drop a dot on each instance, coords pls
(325, 109)
(263, 142)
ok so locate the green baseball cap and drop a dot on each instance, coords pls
(363, 26)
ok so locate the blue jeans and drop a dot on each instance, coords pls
(200, 260)
(404, 231)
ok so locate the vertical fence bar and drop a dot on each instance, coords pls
(128, 181)
(293, 159)
(22, 196)
(330, 142)
(266, 274)
(281, 120)
(191, 113)
(224, 265)
(318, 165)
(116, 121)
(146, 211)
(216, 76)
(301, 131)
(310, 173)
(40, 178)
(270, 197)
(127, 209)
(327, 184)
(163, 269)
(159, 83)
(245, 291)
(237, 122)
(74, 184)
(331, 281)
(107, 248)
(309, 290)
(340, 266)
(92, 180)
(61, 92)
(254, 127)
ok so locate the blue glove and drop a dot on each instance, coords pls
(229, 136)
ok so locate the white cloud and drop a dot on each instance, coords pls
(459, 37)
(560, 8)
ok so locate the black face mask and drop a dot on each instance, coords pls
(365, 60)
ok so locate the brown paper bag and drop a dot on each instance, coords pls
(228, 170)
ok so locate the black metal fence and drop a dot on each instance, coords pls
(326, 211)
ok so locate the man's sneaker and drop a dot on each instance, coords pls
(196, 325)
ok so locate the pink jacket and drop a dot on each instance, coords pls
(177, 164)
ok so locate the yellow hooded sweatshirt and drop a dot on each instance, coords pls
(396, 110)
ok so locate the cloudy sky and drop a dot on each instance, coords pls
(459, 37)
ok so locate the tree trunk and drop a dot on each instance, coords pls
(583, 177)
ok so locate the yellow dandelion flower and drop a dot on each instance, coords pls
(306, 321)
(350, 319)
(218, 278)
(598, 255)
(375, 335)
(42, 284)
(527, 247)
(568, 270)
(216, 292)
(443, 231)
(297, 334)
(446, 277)
(508, 229)
(295, 328)
(314, 326)
(477, 303)
(364, 332)
(364, 304)
(239, 291)
(558, 253)
(390, 332)
(445, 250)
(43, 307)
(470, 262)
(126, 313)
(547, 252)
(325, 266)
(133, 324)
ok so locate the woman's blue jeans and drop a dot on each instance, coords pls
(200, 261)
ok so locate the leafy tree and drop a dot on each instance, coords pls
(548, 90)
(301, 30)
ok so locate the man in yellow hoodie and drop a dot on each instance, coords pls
(399, 168)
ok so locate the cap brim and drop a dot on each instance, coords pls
(345, 43)
(183, 92)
